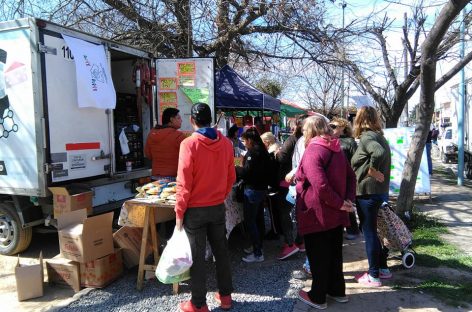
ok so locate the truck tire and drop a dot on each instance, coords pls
(13, 237)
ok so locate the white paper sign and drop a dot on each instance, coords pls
(94, 83)
(399, 140)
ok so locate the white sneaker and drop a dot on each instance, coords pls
(252, 258)
(248, 250)
(341, 299)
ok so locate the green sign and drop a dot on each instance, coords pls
(196, 95)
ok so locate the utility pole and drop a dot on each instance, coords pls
(461, 109)
(343, 6)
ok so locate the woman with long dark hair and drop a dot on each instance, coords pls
(254, 173)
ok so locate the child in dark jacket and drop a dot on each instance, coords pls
(255, 176)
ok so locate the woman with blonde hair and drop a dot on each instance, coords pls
(371, 163)
(270, 142)
(325, 188)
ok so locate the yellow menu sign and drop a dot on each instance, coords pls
(186, 68)
(167, 97)
(169, 83)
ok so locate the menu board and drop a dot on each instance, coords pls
(399, 140)
(182, 83)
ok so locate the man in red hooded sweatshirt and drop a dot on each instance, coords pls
(205, 176)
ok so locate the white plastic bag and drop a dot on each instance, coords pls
(123, 142)
(176, 259)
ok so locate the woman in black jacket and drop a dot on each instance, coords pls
(255, 176)
(343, 130)
(284, 158)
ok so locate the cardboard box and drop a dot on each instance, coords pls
(62, 271)
(29, 279)
(70, 198)
(85, 239)
(129, 239)
(101, 272)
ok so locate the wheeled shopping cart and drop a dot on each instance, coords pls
(395, 235)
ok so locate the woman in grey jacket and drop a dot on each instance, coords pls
(371, 163)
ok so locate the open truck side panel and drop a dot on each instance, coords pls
(22, 141)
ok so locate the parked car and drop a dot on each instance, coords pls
(447, 146)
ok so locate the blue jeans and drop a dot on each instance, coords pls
(368, 208)
(428, 156)
(253, 200)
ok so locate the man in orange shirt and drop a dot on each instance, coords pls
(163, 143)
(205, 177)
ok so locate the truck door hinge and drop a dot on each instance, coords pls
(102, 156)
(47, 168)
(45, 49)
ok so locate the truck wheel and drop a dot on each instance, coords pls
(13, 238)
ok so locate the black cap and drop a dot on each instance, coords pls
(201, 113)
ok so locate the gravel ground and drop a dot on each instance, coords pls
(266, 286)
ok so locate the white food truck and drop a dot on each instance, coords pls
(63, 125)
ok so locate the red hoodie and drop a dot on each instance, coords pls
(206, 172)
(324, 180)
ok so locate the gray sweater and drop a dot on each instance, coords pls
(372, 151)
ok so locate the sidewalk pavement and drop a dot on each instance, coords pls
(449, 204)
(452, 206)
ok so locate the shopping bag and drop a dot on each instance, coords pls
(176, 259)
(393, 233)
(291, 195)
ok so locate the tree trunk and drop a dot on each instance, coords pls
(426, 106)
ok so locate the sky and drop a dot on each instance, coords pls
(356, 10)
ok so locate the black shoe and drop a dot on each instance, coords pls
(271, 235)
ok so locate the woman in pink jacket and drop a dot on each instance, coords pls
(326, 187)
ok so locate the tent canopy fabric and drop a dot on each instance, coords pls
(290, 109)
(234, 92)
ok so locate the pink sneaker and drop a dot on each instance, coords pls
(287, 251)
(385, 273)
(303, 297)
(225, 302)
(367, 280)
(301, 247)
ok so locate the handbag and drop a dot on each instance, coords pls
(291, 194)
(239, 191)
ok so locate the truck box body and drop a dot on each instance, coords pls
(46, 138)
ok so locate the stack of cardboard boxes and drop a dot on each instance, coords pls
(88, 257)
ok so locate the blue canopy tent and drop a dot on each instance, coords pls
(234, 93)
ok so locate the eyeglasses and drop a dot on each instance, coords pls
(333, 126)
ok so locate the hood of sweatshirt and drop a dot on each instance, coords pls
(205, 137)
(208, 132)
(331, 143)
